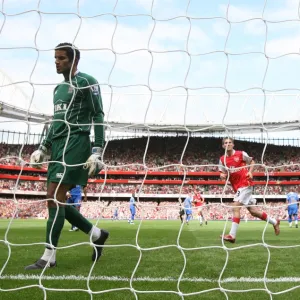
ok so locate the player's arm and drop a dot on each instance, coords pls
(94, 163)
(47, 142)
(85, 193)
(222, 170)
(202, 199)
(250, 162)
(38, 156)
(96, 106)
(251, 167)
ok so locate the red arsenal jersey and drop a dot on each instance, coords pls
(237, 177)
(198, 200)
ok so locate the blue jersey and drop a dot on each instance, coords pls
(292, 199)
(76, 191)
(75, 196)
(188, 202)
(132, 203)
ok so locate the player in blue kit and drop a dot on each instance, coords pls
(116, 214)
(132, 208)
(292, 199)
(74, 197)
(187, 204)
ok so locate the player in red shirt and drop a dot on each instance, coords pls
(198, 201)
(234, 164)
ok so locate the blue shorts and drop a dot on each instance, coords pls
(76, 200)
(132, 211)
(188, 211)
(292, 210)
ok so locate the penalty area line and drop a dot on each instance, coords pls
(147, 279)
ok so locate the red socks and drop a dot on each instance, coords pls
(264, 216)
(236, 220)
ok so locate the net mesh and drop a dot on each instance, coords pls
(204, 53)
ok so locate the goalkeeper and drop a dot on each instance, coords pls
(77, 104)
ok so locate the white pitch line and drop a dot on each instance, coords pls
(149, 279)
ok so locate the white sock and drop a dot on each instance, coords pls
(200, 219)
(49, 255)
(233, 230)
(296, 222)
(272, 221)
(95, 232)
(290, 224)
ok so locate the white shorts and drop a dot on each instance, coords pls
(244, 196)
(199, 209)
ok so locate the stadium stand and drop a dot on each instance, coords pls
(163, 157)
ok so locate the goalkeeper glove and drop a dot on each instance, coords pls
(38, 156)
(94, 163)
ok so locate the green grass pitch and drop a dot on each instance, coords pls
(157, 273)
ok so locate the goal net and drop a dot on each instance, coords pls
(174, 73)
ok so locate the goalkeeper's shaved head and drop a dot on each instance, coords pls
(71, 51)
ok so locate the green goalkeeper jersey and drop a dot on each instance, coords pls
(80, 104)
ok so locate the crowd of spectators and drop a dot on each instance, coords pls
(149, 210)
(37, 186)
(164, 154)
(148, 189)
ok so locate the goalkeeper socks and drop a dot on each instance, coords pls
(234, 226)
(95, 232)
(77, 219)
(57, 225)
(49, 255)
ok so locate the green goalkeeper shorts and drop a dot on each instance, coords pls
(77, 151)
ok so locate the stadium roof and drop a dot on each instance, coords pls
(17, 113)
(209, 128)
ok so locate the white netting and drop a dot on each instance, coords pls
(215, 50)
